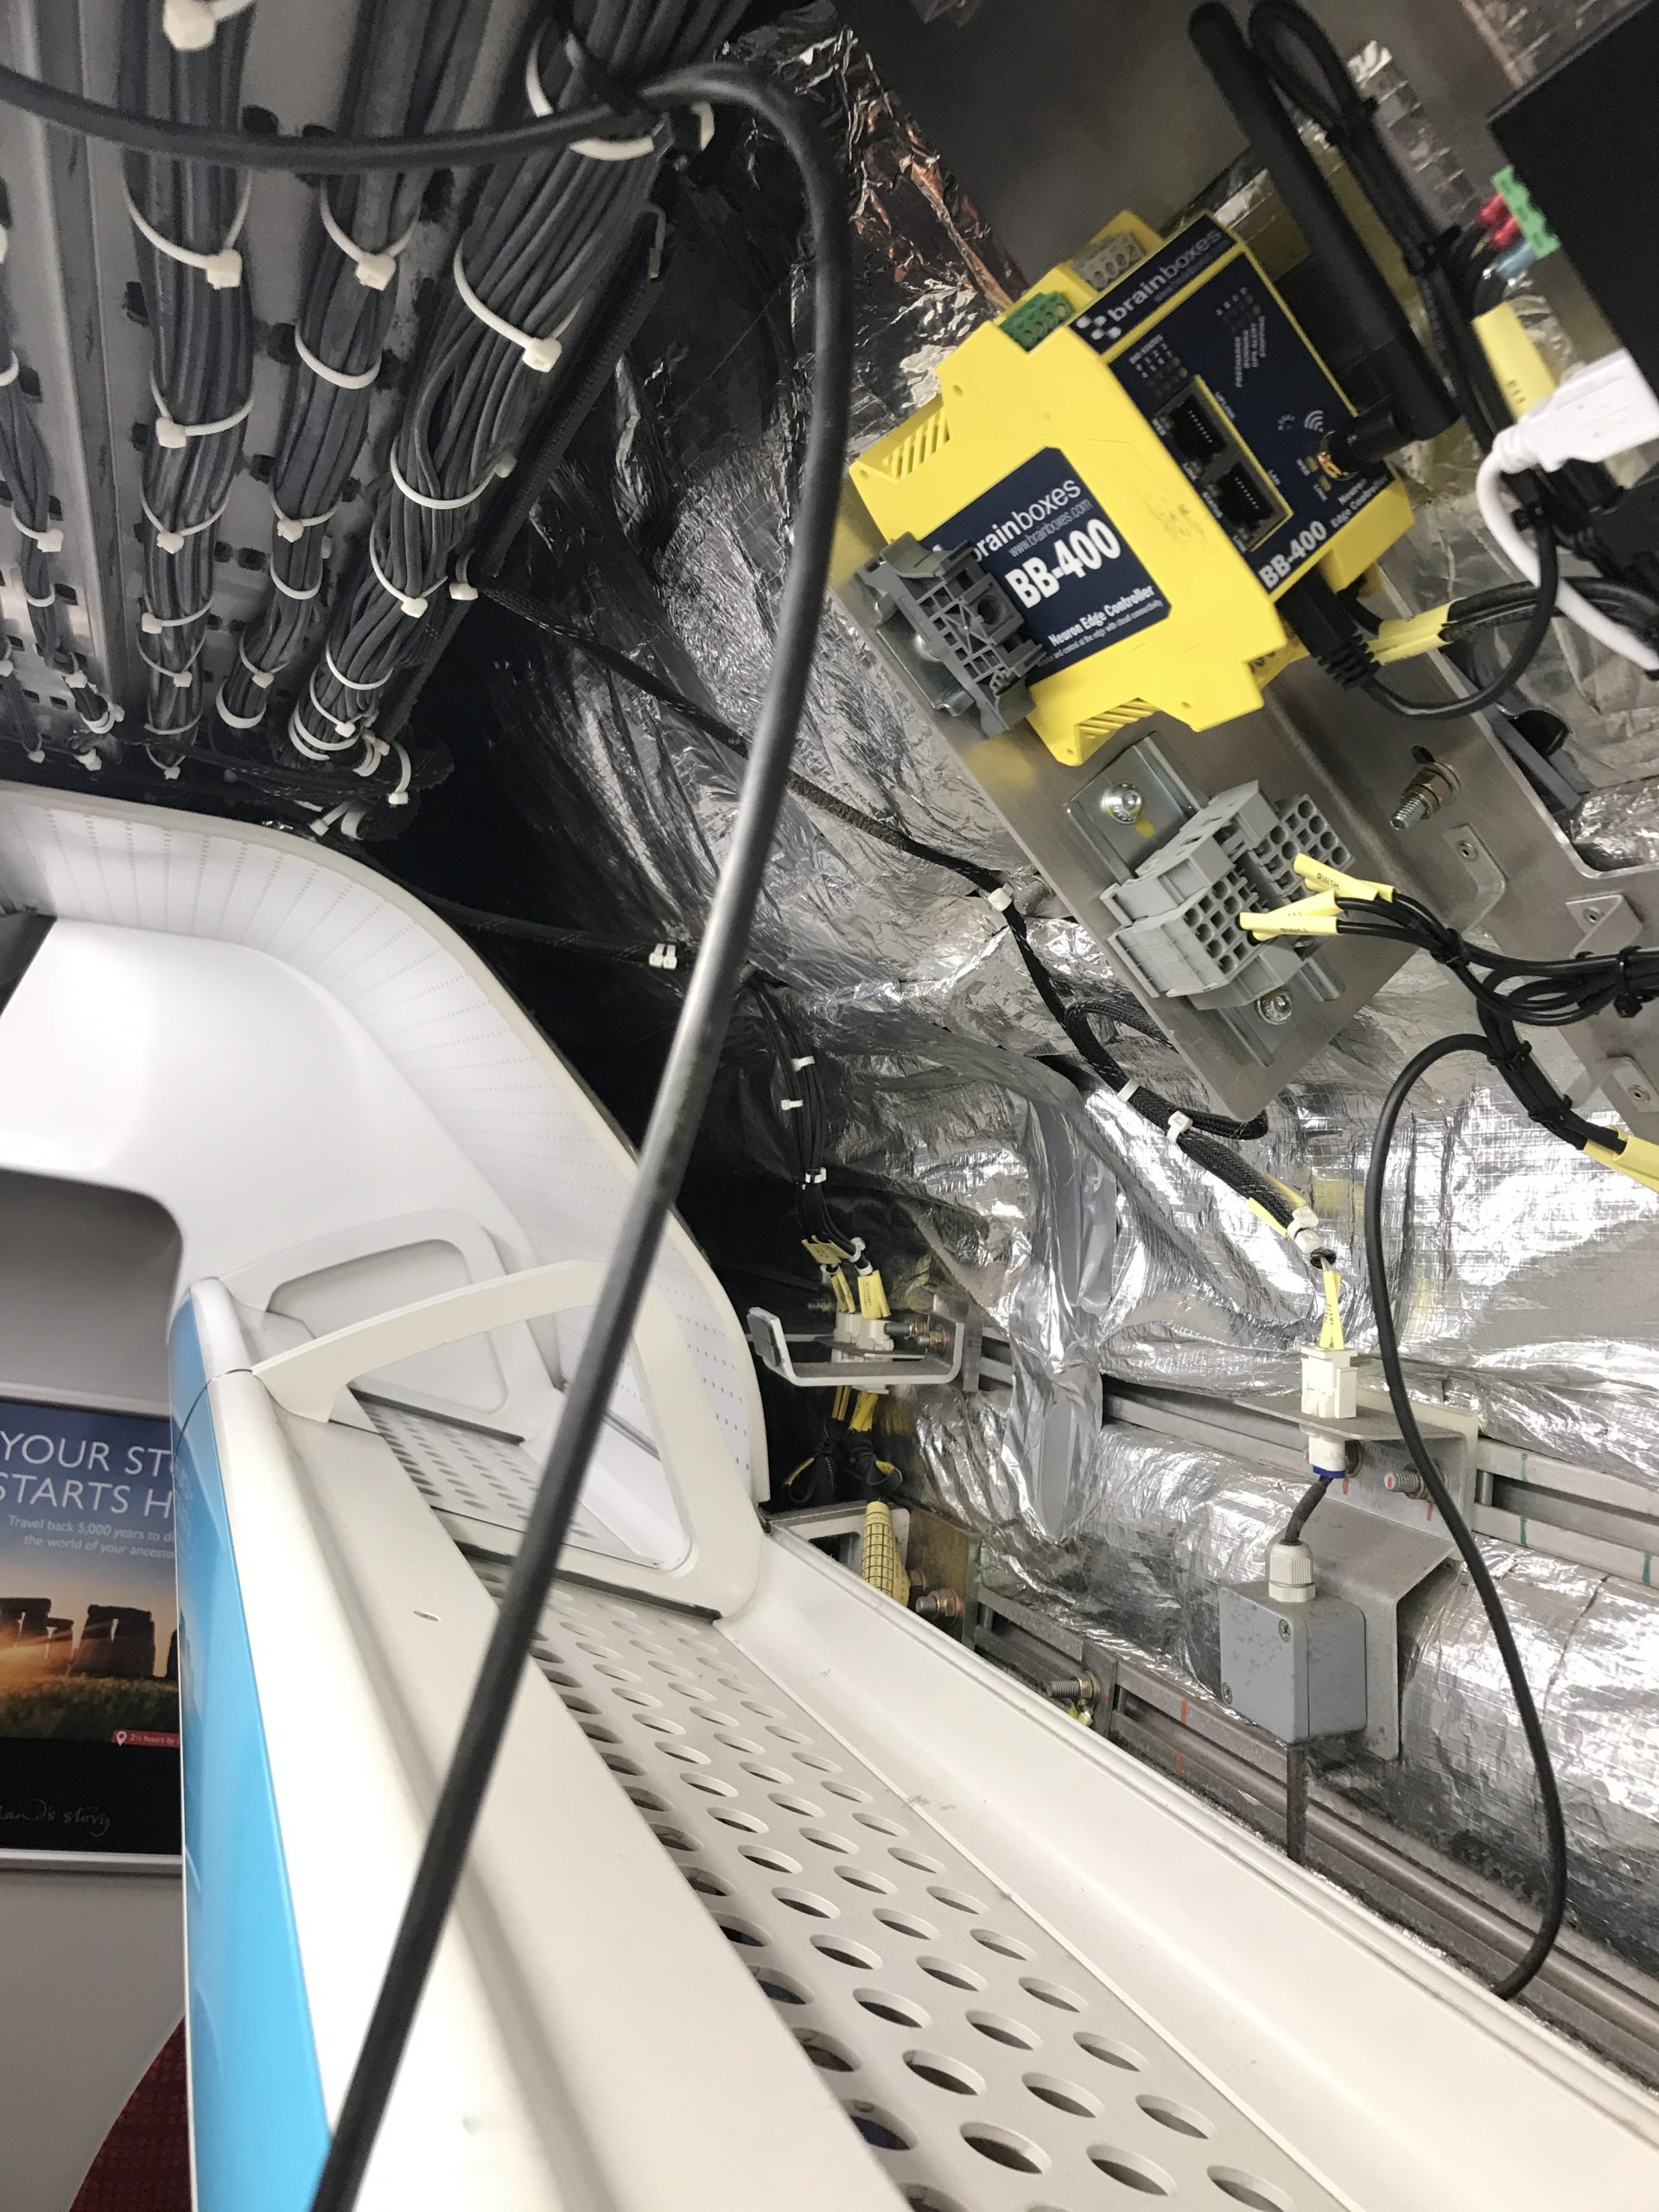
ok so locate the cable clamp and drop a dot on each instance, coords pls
(49, 541)
(373, 271)
(153, 624)
(413, 607)
(222, 270)
(342, 380)
(438, 506)
(1628, 1001)
(174, 436)
(172, 541)
(292, 528)
(539, 353)
(262, 677)
(461, 585)
(239, 722)
(355, 682)
(190, 25)
(293, 591)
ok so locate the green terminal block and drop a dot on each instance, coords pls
(1534, 226)
(1029, 322)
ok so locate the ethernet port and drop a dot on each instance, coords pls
(1244, 502)
(1192, 428)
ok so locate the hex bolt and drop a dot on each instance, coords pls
(1405, 1480)
(1072, 1689)
(1426, 794)
(1276, 1008)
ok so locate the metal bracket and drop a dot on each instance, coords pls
(941, 1362)
(1375, 1565)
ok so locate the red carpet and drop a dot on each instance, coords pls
(144, 2165)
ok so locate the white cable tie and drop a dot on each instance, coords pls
(413, 607)
(306, 740)
(153, 624)
(398, 795)
(49, 541)
(1000, 899)
(354, 682)
(91, 760)
(51, 598)
(103, 724)
(222, 270)
(791, 1105)
(172, 541)
(5, 241)
(292, 528)
(375, 750)
(324, 822)
(181, 677)
(1126, 1090)
(461, 585)
(437, 507)
(265, 677)
(239, 722)
(342, 728)
(174, 436)
(1177, 1126)
(342, 380)
(539, 353)
(373, 271)
(36, 753)
(8, 666)
(817, 1175)
(11, 373)
(806, 1060)
(72, 678)
(190, 25)
(293, 591)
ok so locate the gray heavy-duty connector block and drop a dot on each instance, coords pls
(1297, 1670)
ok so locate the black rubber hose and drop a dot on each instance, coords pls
(675, 1116)
(1555, 1909)
(1306, 1507)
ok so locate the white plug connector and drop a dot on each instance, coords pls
(1329, 1384)
(1601, 409)
(1596, 411)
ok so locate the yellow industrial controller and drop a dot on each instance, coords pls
(1119, 481)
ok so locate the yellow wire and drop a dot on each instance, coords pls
(872, 1296)
(864, 1411)
(1331, 1336)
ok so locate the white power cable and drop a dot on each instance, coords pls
(1512, 543)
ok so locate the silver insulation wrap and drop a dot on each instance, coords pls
(1527, 1287)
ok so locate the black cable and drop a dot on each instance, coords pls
(681, 1098)
(144, 133)
(1520, 657)
(1554, 1907)
(1306, 1507)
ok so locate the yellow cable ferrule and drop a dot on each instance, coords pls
(1324, 877)
(1306, 918)
(1639, 1160)
(1406, 637)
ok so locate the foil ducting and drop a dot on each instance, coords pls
(1522, 1279)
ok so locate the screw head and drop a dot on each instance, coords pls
(1226, 1693)
(1284, 1631)
(1276, 1008)
(1121, 802)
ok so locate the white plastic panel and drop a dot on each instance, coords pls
(558, 1172)
(991, 2069)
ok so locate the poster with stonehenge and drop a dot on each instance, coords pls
(89, 1695)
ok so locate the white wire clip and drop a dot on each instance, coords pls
(342, 380)
(170, 540)
(49, 541)
(292, 528)
(190, 25)
(176, 436)
(222, 270)
(374, 271)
